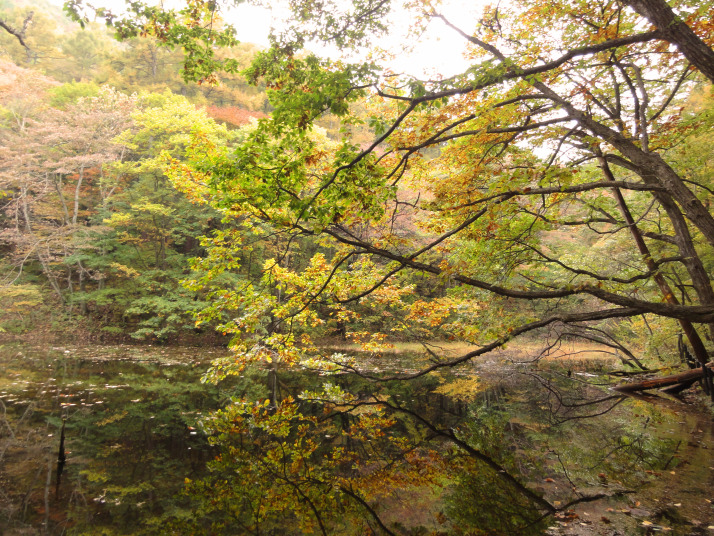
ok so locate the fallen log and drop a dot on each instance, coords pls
(687, 377)
(678, 388)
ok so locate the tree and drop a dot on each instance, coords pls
(197, 28)
(155, 229)
(29, 34)
(54, 173)
(678, 32)
(488, 204)
(83, 54)
(23, 101)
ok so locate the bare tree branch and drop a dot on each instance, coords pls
(21, 33)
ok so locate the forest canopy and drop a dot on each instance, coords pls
(544, 188)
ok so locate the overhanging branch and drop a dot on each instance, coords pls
(19, 34)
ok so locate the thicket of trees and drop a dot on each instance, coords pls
(558, 172)
(542, 189)
(93, 233)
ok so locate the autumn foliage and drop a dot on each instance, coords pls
(233, 115)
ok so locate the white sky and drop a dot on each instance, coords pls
(437, 52)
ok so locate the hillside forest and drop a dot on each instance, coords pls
(95, 237)
(160, 181)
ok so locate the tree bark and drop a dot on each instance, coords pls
(50, 276)
(24, 192)
(60, 194)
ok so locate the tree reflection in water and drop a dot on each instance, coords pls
(405, 459)
(447, 455)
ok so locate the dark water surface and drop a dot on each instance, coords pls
(133, 434)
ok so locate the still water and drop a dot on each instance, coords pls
(493, 449)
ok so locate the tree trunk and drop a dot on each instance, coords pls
(82, 289)
(695, 340)
(682, 377)
(76, 195)
(50, 277)
(58, 188)
(690, 257)
(676, 31)
(653, 170)
(25, 209)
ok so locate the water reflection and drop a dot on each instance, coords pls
(507, 451)
(128, 438)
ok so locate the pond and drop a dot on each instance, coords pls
(128, 440)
